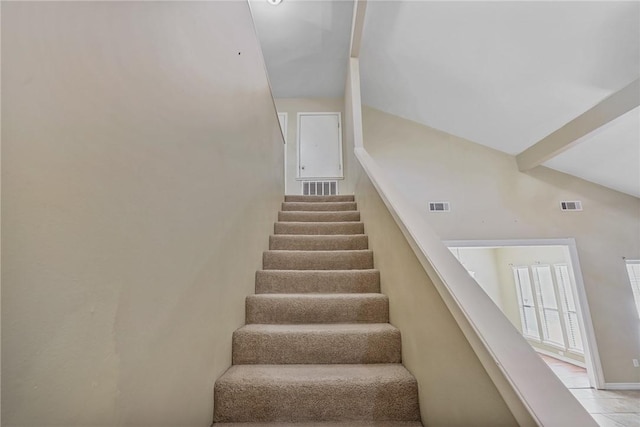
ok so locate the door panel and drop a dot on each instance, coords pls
(319, 145)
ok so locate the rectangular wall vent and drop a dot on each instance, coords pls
(439, 207)
(319, 188)
(571, 206)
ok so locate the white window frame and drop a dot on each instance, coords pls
(522, 305)
(634, 280)
(542, 309)
(565, 289)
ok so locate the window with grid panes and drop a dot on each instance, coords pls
(567, 300)
(547, 305)
(526, 303)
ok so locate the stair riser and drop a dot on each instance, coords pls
(317, 402)
(318, 243)
(315, 207)
(316, 348)
(316, 228)
(292, 310)
(300, 282)
(317, 260)
(293, 216)
(316, 199)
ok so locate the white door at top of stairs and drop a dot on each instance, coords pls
(319, 146)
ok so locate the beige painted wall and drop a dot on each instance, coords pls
(293, 106)
(491, 199)
(141, 174)
(482, 262)
(455, 389)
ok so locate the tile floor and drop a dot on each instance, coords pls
(610, 408)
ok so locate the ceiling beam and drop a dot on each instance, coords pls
(359, 8)
(619, 103)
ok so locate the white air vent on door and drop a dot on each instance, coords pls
(319, 188)
(439, 207)
(571, 206)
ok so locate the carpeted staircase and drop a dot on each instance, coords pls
(317, 349)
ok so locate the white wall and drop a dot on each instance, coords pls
(490, 199)
(141, 174)
(293, 106)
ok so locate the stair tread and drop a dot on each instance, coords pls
(327, 308)
(321, 214)
(322, 272)
(307, 393)
(322, 296)
(320, 253)
(318, 228)
(317, 281)
(318, 216)
(353, 259)
(323, 328)
(309, 223)
(311, 393)
(316, 343)
(279, 375)
(318, 242)
(328, 424)
(321, 224)
(317, 199)
(316, 207)
(319, 236)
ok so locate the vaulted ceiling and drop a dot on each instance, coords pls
(501, 74)
(305, 46)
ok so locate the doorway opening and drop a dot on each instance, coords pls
(538, 286)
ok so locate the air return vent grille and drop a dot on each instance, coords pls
(319, 188)
(439, 207)
(571, 206)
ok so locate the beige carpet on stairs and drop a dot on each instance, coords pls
(317, 349)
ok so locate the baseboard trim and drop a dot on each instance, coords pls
(622, 386)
